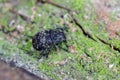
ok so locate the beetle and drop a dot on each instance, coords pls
(45, 40)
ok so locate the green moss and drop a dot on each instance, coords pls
(92, 59)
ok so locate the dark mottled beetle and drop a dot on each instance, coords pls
(45, 40)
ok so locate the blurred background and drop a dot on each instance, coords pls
(94, 49)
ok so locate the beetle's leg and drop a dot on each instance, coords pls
(63, 48)
(44, 53)
(65, 42)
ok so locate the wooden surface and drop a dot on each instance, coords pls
(8, 72)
